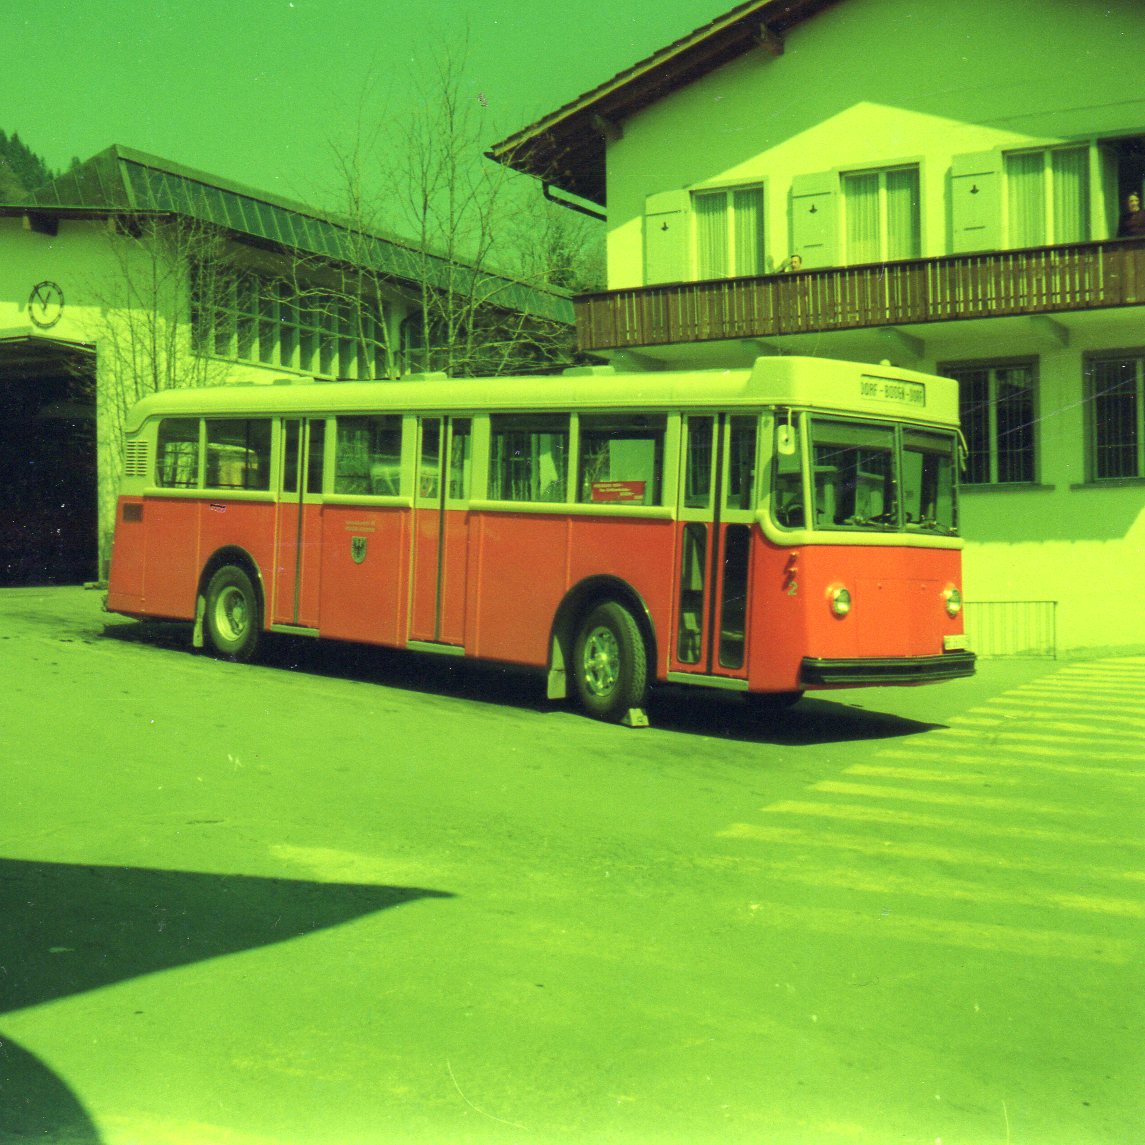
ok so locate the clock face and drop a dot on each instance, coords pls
(45, 304)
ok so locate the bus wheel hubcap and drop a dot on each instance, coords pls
(601, 661)
(231, 613)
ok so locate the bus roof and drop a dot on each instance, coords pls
(813, 383)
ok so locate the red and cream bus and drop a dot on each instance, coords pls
(767, 530)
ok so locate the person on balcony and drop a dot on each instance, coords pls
(1132, 225)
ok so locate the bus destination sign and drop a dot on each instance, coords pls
(875, 389)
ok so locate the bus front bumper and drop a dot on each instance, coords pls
(886, 670)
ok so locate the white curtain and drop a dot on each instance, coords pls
(1025, 180)
(711, 234)
(861, 204)
(903, 239)
(747, 214)
(1071, 194)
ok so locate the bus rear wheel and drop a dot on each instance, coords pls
(232, 620)
(610, 663)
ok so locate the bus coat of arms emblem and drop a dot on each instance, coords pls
(358, 549)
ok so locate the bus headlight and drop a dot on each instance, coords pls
(952, 600)
(839, 599)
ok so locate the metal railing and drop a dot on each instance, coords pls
(1017, 628)
(1035, 280)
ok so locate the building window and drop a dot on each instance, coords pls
(996, 406)
(1047, 196)
(881, 213)
(729, 232)
(249, 318)
(1116, 407)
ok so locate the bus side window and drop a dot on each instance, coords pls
(293, 429)
(741, 463)
(698, 463)
(238, 453)
(621, 460)
(429, 467)
(529, 458)
(177, 455)
(460, 457)
(368, 455)
(787, 500)
(316, 457)
(928, 481)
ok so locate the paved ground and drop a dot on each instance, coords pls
(352, 897)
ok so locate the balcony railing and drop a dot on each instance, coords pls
(1037, 280)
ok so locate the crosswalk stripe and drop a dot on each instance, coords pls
(953, 816)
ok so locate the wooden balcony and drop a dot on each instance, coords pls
(1037, 280)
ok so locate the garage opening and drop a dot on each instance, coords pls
(48, 469)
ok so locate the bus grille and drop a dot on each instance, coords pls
(135, 459)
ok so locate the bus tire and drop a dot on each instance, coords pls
(232, 620)
(610, 662)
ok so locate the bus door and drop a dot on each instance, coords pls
(298, 548)
(441, 531)
(716, 514)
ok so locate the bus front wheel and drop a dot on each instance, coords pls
(231, 619)
(610, 662)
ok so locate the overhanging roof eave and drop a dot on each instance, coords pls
(565, 147)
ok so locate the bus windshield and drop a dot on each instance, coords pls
(866, 476)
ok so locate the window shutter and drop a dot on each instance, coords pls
(666, 234)
(814, 211)
(975, 202)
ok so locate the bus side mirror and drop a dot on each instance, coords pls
(785, 440)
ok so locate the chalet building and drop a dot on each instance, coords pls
(131, 273)
(939, 185)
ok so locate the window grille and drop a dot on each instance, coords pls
(996, 407)
(1116, 408)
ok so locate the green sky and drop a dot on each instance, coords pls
(257, 90)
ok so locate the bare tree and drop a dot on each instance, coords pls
(157, 285)
(166, 274)
(477, 275)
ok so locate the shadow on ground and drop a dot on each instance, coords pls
(70, 928)
(691, 711)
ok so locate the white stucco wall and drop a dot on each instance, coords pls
(874, 82)
(871, 83)
(108, 284)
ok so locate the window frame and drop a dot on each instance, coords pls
(597, 426)
(534, 425)
(342, 472)
(992, 366)
(1094, 425)
(1049, 220)
(728, 192)
(267, 320)
(882, 170)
